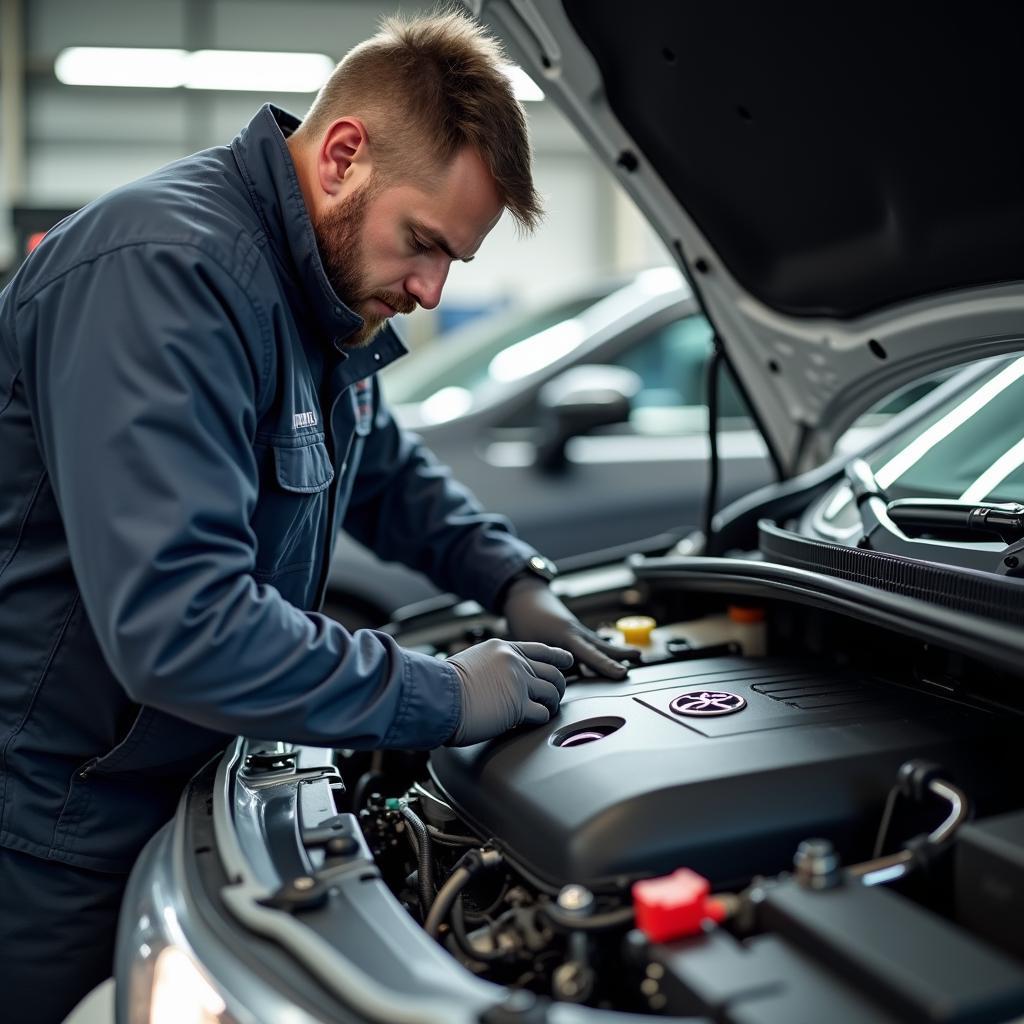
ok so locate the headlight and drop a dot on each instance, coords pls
(180, 993)
(165, 985)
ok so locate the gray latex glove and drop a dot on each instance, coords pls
(533, 612)
(505, 685)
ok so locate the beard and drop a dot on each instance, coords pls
(339, 237)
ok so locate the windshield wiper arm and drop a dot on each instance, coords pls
(941, 516)
(883, 522)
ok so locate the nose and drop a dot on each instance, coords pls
(426, 283)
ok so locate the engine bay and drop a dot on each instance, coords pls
(783, 813)
(722, 765)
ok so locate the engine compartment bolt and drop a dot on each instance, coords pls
(303, 883)
(576, 900)
(817, 864)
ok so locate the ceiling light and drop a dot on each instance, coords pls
(253, 71)
(228, 70)
(105, 65)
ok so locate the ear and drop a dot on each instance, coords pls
(343, 157)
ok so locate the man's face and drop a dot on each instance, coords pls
(387, 247)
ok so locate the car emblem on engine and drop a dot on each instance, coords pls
(702, 703)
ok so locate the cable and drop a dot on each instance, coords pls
(883, 827)
(711, 500)
(424, 863)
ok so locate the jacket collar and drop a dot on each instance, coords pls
(269, 172)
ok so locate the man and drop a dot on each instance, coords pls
(188, 414)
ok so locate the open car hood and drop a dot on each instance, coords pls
(845, 192)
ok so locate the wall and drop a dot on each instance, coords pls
(79, 142)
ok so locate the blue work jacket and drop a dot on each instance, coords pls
(182, 434)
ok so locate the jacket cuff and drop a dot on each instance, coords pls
(501, 576)
(429, 707)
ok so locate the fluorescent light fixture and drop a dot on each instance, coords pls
(253, 71)
(525, 88)
(120, 66)
(228, 70)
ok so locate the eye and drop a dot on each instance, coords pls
(417, 244)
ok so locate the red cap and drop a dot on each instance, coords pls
(674, 906)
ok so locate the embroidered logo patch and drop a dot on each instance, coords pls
(304, 419)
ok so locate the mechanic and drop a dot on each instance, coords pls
(188, 414)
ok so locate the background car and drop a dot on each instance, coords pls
(504, 406)
(496, 400)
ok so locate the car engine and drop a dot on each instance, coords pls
(761, 823)
(722, 765)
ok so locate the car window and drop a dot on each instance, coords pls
(463, 361)
(672, 364)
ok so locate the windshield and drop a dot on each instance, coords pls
(969, 448)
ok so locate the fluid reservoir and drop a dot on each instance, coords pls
(739, 624)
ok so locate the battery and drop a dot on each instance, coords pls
(990, 879)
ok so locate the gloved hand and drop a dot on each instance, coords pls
(505, 685)
(533, 612)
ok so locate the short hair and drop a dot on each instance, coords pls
(434, 85)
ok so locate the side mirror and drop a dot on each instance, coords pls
(579, 400)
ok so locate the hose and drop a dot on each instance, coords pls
(917, 852)
(469, 865)
(596, 922)
(465, 943)
(362, 787)
(424, 863)
(449, 839)
(446, 896)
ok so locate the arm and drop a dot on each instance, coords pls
(407, 507)
(144, 369)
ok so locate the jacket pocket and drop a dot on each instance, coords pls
(304, 470)
(291, 510)
(155, 741)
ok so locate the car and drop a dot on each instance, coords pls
(508, 405)
(500, 403)
(803, 803)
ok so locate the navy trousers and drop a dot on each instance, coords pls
(57, 926)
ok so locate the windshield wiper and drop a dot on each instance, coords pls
(940, 517)
(889, 525)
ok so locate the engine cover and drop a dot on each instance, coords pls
(638, 778)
